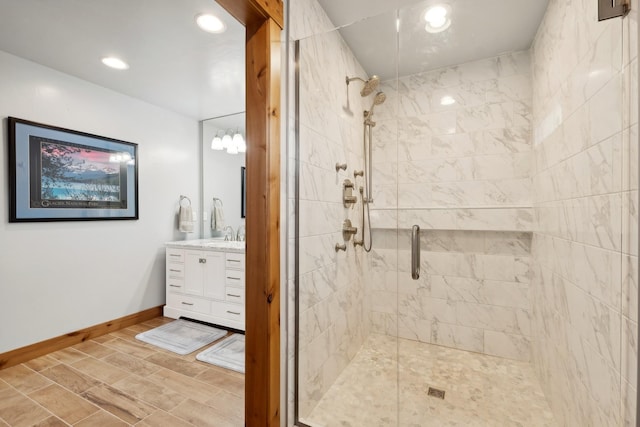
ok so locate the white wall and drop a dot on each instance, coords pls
(62, 276)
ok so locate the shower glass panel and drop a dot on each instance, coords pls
(463, 176)
(346, 304)
(510, 139)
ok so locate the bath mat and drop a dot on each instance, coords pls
(181, 336)
(228, 353)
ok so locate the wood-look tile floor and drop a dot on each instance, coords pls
(116, 380)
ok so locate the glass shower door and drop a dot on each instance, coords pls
(346, 296)
(464, 157)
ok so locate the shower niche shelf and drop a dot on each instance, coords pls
(518, 219)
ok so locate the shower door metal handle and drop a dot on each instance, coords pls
(415, 252)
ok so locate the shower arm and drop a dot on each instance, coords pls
(350, 79)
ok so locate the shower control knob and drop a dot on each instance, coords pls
(348, 230)
(340, 166)
(358, 173)
(348, 199)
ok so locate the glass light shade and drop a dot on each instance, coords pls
(232, 149)
(242, 148)
(238, 139)
(227, 141)
(216, 143)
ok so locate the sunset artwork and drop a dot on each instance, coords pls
(78, 173)
(58, 174)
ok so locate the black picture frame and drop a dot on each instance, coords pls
(243, 187)
(58, 174)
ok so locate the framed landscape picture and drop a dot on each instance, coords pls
(59, 174)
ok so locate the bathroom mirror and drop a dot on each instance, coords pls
(220, 173)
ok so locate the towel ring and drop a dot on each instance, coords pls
(185, 198)
(216, 200)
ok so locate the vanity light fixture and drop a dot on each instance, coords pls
(242, 148)
(437, 18)
(232, 149)
(227, 141)
(233, 145)
(116, 63)
(238, 142)
(216, 143)
(210, 23)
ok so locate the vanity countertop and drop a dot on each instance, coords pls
(212, 244)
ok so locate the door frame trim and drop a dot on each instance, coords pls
(264, 21)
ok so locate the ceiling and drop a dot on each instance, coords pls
(177, 66)
(479, 29)
(173, 64)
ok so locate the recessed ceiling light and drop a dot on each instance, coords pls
(113, 62)
(210, 23)
(437, 18)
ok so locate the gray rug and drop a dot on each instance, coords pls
(181, 336)
(228, 353)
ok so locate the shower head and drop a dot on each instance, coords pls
(369, 86)
(379, 99)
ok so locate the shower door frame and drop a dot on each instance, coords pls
(263, 20)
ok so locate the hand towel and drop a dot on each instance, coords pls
(185, 219)
(217, 216)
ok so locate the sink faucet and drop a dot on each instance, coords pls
(228, 233)
(240, 236)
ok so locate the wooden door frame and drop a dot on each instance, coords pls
(263, 20)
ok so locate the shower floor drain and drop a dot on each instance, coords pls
(434, 392)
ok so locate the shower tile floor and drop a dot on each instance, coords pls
(480, 390)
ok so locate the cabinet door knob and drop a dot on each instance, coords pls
(203, 260)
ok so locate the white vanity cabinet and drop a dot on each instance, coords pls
(205, 284)
(204, 273)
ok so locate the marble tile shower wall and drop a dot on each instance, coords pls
(469, 153)
(473, 291)
(584, 248)
(462, 167)
(333, 319)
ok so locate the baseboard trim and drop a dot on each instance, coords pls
(24, 354)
